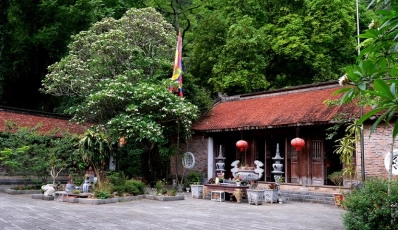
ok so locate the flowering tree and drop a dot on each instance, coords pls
(139, 46)
(115, 70)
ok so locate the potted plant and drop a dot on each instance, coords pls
(220, 177)
(238, 179)
(254, 195)
(271, 194)
(337, 178)
(193, 181)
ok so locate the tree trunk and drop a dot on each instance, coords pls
(390, 167)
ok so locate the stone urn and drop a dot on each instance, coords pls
(69, 188)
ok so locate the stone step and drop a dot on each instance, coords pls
(311, 197)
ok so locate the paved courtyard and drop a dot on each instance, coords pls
(23, 212)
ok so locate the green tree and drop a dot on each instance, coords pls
(260, 45)
(138, 47)
(375, 75)
(16, 160)
(95, 148)
(35, 34)
(116, 69)
(376, 71)
(31, 152)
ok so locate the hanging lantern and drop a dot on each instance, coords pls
(298, 143)
(122, 142)
(241, 145)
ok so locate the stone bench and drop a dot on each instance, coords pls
(62, 195)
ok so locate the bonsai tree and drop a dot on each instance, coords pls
(56, 166)
(337, 178)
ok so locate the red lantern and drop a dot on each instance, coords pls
(241, 145)
(298, 143)
(122, 142)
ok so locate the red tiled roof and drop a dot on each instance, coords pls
(287, 107)
(25, 118)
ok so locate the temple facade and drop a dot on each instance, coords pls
(270, 119)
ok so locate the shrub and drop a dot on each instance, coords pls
(336, 177)
(159, 187)
(370, 207)
(193, 177)
(139, 185)
(100, 194)
(119, 189)
(78, 181)
(27, 187)
(116, 178)
(131, 188)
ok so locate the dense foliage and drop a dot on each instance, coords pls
(375, 74)
(230, 46)
(121, 185)
(370, 208)
(117, 70)
(24, 151)
(246, 46)
(34, 34)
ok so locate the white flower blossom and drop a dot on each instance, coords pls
(343, 80)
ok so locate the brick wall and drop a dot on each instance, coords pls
(198, 146)
(376, 148)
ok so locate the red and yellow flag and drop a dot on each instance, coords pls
(177, 71)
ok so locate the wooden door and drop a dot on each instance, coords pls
(317, 162)
(293, 173)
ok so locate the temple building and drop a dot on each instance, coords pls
(272, 119)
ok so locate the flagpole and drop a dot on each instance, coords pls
(360, 106)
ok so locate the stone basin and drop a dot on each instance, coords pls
(248, 175)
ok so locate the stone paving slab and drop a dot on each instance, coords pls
(23, 212)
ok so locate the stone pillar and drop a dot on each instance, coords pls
(210, 158)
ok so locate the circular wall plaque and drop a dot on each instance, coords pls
(394, 162)
(188, 160)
